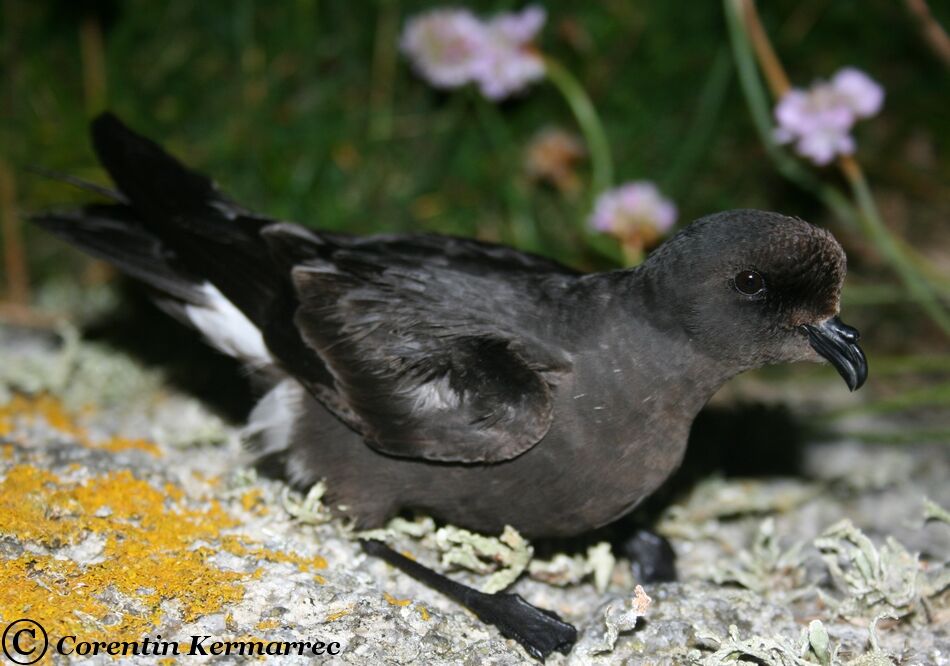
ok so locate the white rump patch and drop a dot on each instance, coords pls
(272, 419)
(227, 329)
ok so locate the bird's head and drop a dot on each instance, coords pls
(753, 288)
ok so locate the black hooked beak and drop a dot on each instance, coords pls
(838, 343)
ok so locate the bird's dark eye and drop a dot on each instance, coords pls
(749, 283)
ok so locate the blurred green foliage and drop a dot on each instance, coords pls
(306, 110)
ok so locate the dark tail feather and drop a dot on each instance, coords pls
(113, 233)
(209, 234)
(156, 184)
(79, 183)
(177, 231)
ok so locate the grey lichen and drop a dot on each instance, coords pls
(814, 647)
(502, 559)
(933, 511)
(819, 643)
(763, 567)
(717, 498)
(308, 509)
(563, 570)
(872, 579)
(776, 651)
(505, 557)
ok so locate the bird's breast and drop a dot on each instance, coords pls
(617, 434)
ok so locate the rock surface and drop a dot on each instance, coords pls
(128, 510)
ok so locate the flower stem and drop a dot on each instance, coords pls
(873, 226)
(92, 56)
(519, 215)
(589, 122)
(15, 268)
(930, 29)
(775, 74)
(382, 82)
(632, 252)
(706, 112)
(602, 166)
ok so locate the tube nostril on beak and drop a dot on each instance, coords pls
(847, 333)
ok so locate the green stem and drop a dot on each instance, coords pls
(873, 227)
(602, 166)
(938, 280)
(382, 82)
(519, 215)
(708, 109)
(589, 122)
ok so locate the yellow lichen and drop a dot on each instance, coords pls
(212, 480)
(45, 407)
(253, 501)
(149, 553)
(239, 546)
(394, 601)
(336, 615)
(423, 612)
(155, 542)
(265, 625)
(249, 638)
(116, 444)
(173, 492)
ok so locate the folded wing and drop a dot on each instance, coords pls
(433, 362)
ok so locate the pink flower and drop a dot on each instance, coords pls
(635, 212)
(509, 64)
(819, 120)
(452, 47)
(444, 45)
(519, 28)
(859, 91)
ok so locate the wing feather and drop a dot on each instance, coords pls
(428, 372)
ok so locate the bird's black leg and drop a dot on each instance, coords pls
(539, 631)
(652, 558)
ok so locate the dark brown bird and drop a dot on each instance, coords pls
(469, 381)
